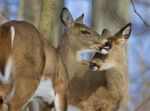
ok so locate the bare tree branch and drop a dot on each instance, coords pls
(145, 3)
(139, 15)
(143, 103)
(1, 13)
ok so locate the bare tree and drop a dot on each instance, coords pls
(56, 31)
(3, 18)
(109, 14)
(31, 10)
(48, 19)
(20, 14)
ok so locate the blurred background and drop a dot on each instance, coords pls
(99, 14)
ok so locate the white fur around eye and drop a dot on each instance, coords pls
(107, 47)
(104, 51)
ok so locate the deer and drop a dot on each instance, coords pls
(115, 92)
(87, 88)
(107, 95)
(84, 84)
(30, 67)
(77, 40)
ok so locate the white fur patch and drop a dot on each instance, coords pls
(107, 47)
(126, 31)
(95, 68)
(12, 31)
(57, 103)
(45, 90)
(104, 51)
(8, 71)
(73, 108)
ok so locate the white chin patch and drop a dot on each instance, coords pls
(95, 68)
(104, 51)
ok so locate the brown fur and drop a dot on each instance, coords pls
(5, 47)
(115, 93)
(77, 37)
(32, 57)
(92, 91)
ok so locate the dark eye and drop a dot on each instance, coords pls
(108, 45)
(85, 32)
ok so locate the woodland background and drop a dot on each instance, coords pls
(99, 14)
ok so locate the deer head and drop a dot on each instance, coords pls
(111, 49)
(78, 37)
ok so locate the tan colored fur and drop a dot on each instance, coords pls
(77, 37)
(94, 91)
(33, 57)
(88, 90)
(114, 93)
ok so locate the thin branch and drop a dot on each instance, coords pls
(143, 103)
(139, 15)
(4, 16)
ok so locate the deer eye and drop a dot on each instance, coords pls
(105, 49)
(85, 32)
(108, 45)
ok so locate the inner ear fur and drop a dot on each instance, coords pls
(125, 32)
(66, 18)
(106, 33)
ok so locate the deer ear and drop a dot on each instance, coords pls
(124, 34)
(66, 18)
(106, 33)
(80, 19)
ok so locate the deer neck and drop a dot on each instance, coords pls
(117, 82)
(74, 68)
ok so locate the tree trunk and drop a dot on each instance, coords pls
(32, 11)
(20, 14)
(49, 13)
(56, 30)
(110, 14)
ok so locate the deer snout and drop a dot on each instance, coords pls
(96, 47)
(93, 66)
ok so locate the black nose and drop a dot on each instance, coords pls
(92, 65)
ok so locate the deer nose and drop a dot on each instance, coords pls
(94, 66)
